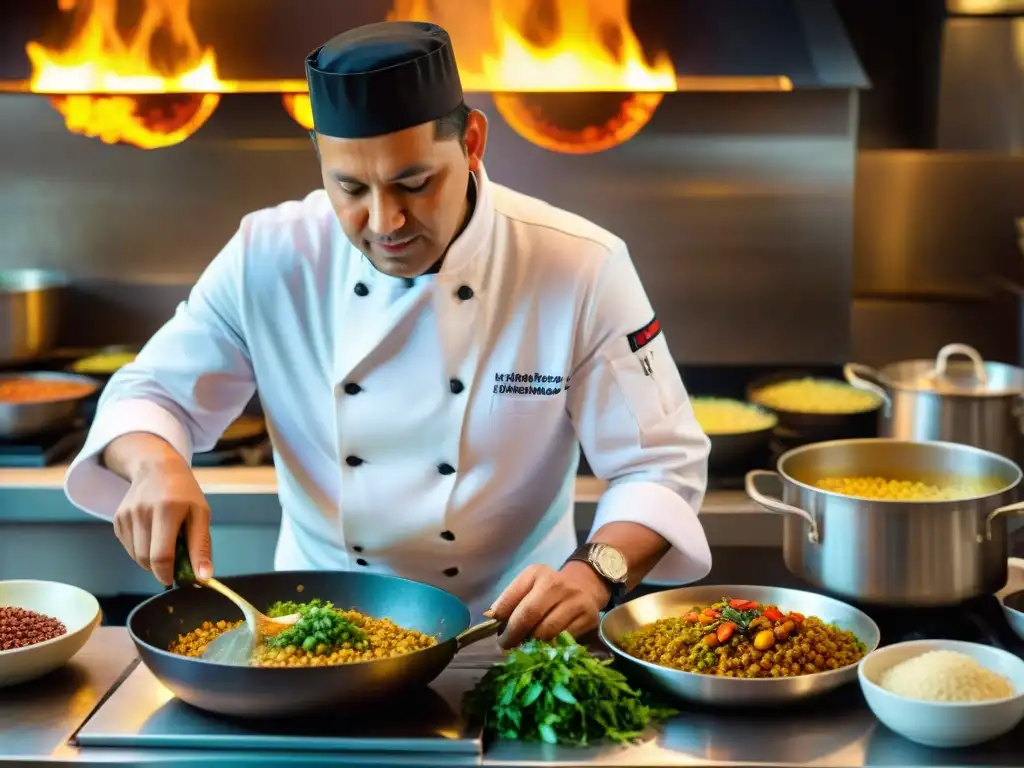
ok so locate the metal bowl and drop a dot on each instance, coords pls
(734, 691)
(19, 420)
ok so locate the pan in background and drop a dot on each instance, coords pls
(253, 692)
(734, 691)
(822, 423)
(739, 432)
(29, 417)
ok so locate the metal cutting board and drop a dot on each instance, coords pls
(142, 713)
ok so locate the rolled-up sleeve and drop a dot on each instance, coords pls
(188, 383)
(635, 422)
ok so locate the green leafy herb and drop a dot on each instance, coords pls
(559, 693)
(740, 618)
(321, 628)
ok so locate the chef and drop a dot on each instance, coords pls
(430, 349)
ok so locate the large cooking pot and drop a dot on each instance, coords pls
(918, 553)
(959, 401)
(29, 312)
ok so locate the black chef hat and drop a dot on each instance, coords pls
(381, 78)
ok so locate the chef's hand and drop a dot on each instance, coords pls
(163, 496)
(542, 602)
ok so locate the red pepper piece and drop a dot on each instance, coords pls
(712, 613)
(797, 617)
(724, 631)
(690, 617)
(773, 614)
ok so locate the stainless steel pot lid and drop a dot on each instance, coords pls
(972, 377)
(20, 280)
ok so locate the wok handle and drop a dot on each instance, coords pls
(776, 506)
(1009, 509)
(866, 378)
(478, 632)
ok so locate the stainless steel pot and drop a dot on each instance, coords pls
(29, 312)
(971, 402)
(20, 420)
(893, 552)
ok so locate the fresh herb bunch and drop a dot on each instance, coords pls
(559, 693)
(321, 626)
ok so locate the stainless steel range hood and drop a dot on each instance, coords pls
(260, 45)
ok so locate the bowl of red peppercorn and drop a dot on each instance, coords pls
(43, 624)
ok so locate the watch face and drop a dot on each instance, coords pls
(610, 562)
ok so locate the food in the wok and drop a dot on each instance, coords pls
(810, 395)
(742, 638)
(722, 416)
(889, 489)
(323, 636)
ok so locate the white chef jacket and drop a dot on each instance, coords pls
(426, 428)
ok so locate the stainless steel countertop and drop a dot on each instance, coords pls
(38, 719)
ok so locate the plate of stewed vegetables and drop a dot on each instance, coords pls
(740, 645)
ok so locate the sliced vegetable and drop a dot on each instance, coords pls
(725, 631)
(796, 617)
(743, 605)
(559, 693)
(712, 613)
(773, 613)
(690, 617)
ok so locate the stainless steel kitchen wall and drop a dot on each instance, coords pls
(738, 209)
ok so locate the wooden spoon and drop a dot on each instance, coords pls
(235, 646)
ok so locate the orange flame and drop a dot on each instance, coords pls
(548, 46)
(545, 45)
(300, 108)
(107, 83)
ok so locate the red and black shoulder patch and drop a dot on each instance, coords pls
(641, 338)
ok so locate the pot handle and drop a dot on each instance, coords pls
(942, 361)
(1009, 509)
(776, 506)
(866, 378)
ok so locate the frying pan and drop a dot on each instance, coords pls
(730, 450)
(821, 426)
(253, 692)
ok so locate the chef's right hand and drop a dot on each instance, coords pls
(163, 496)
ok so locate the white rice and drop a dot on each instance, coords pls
(945, 676)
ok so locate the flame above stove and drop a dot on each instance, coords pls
(103, 81)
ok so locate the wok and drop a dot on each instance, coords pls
(734, 691)
(252, 692)
(816, 426)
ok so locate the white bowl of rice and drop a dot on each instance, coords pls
(944, 693)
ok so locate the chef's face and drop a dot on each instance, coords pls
(402, 198)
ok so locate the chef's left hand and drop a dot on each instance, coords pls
(542, 602)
